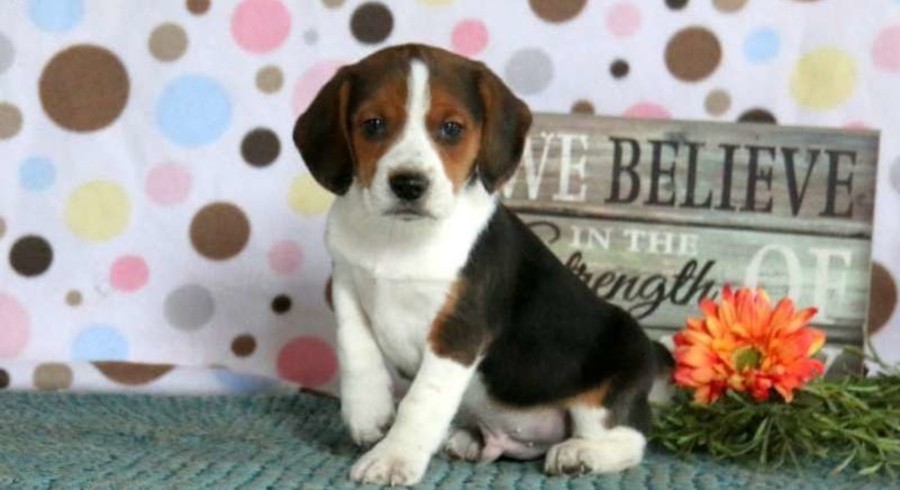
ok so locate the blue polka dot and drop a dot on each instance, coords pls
(761, 45)
(193, 111)
(244, 383)
(55, 15)
(36, 173)
(99, 343)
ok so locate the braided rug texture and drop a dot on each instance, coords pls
(50, 440)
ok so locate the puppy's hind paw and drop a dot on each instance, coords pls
(463, 444)
(622, 448)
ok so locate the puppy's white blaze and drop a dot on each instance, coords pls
(414, 150)
(418, 98)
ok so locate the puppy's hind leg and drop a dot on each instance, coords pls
(603, 438)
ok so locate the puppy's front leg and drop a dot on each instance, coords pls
(422, 422)
(367, 404)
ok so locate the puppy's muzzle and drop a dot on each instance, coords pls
(408, 186)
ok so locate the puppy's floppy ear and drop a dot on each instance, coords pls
(506, 123)
(321, 135)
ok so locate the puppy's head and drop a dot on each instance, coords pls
(413, 128)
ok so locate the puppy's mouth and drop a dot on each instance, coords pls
(405, 212)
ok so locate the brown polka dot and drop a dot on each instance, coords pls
(676, 4)
(582, 107)
(729, 5)
(692, 54)
(131, 373)
(557, 10)
(220, 231)
(4, 379)
(269, 79)
(717, 102)
(883, 299)
(619, 68)
(757, 115)
(333, 4)
(52, 376)
(168, 42)
(84, 88)
(31, 256)
(281, 304)
(10, 120)
(371, 23)
(74, 298)
(198, 7)
(243, 345)
(260, 147)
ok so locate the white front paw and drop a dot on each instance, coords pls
(389, 463)
(367, 412)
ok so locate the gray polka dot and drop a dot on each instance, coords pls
(189, 307)
(6, 53)
(529, 71)
(895, 174)
(310, 36)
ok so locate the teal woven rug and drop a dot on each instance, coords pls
(137, 441)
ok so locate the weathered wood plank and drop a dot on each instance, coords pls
(748, 176)
(653, 215)
(658, 271)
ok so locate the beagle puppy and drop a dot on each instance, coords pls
(508, 352)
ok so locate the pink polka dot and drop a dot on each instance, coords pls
(886, 50)
(259, 26)
(285, 257)
(857, 125)
(14, 327)
(307, 360)
(623, 19)
(310, 82)
(469, 37)
(129, 273)
(168, 184)
(647, 110)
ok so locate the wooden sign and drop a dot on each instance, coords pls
(653, 215)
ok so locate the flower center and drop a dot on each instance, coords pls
(747, 358)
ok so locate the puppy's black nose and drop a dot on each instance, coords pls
(408, 186)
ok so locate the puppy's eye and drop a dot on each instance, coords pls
(450, 130)
(374, 126)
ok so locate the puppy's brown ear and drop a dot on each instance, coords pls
(321, 135)
(506, 123)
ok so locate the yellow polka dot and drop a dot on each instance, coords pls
(436, 3)
(823, 78)
(307, 197)
(98, 210)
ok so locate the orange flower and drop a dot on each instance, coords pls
(745, 345)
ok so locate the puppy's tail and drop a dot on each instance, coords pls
(662, 358)
(663, 388)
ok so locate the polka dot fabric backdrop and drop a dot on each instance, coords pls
(158, 231)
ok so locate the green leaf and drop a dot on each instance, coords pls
(871, 469)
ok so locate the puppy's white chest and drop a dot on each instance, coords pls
(401, 312)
